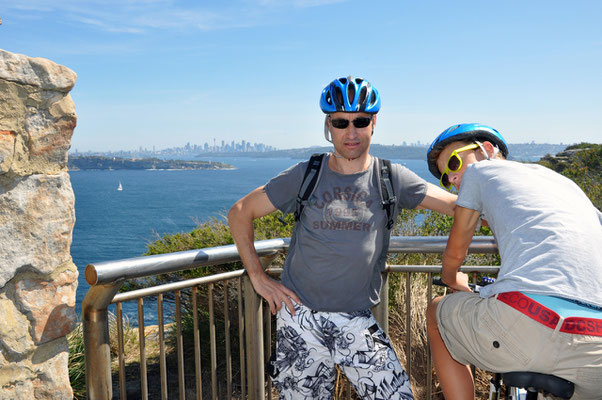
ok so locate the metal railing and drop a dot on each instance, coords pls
(254, 333)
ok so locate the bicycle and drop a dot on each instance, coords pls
(521, 385)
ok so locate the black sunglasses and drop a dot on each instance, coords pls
(359, 122)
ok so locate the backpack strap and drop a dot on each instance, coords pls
(308, 185)
(313, 172)
(387, 193)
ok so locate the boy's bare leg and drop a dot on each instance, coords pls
(455, 378)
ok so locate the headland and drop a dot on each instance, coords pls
(113, 163)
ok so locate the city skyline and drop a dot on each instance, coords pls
(232, 146)
(247, 147)
(175, 71)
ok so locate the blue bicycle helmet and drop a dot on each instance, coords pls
(350, 95)
(463, 132)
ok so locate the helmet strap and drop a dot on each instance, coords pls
(334, 153)
(485, 154)
(326, 130)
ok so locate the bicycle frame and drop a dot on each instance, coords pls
(512, 392)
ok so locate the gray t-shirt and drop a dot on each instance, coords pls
(549, 234)
(339, 246)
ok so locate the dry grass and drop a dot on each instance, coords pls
(419, 349)
(398, 330)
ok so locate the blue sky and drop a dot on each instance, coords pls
(163, 73)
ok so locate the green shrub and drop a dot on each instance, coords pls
(77, 366)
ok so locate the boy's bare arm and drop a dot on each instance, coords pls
(240, 218)
(465, 221)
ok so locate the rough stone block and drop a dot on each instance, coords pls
(15, 341)
(39, 72)
(49, 305)
(50, 132)
(41, 377)
(7, 149)
(36, 224)
(42, 117)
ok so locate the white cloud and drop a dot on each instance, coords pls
(132, 16)
(297, 3)
(139, 16)
(105, 25)
(315, 3)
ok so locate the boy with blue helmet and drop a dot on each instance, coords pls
(544, 312)
(467, 132)
(332, 272)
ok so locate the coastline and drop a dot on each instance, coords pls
(101, 163)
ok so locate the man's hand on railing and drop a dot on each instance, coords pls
(275, 293)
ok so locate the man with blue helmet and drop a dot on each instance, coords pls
(544, 312)
(332, 273)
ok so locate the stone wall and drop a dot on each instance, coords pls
(37, 276)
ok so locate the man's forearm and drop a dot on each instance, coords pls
(240, 219)
(244, 238)
(439, 200)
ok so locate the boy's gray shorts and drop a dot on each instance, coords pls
(495, 337)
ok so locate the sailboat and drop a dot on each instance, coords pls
(119, 187)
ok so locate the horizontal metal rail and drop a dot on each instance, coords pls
(171, 287)
(436, 244)
(485, 269)
(106, 278)
(108, 272)
(131, 268)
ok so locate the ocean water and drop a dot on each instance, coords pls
(112, 224)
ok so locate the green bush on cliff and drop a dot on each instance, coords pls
(214, 233)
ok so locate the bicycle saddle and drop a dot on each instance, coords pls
(551, 384)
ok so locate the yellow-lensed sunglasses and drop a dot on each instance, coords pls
(454, 163)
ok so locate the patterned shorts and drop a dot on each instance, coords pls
(309, 344)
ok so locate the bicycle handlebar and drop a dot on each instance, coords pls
(475, 287)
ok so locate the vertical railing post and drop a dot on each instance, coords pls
(241, 340)
(267, 343)
(381, 310)
(95, 320)
(429, 361)
(408, 324)
(254, 341)
(254, 337)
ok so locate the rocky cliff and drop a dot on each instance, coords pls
(37, 276)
